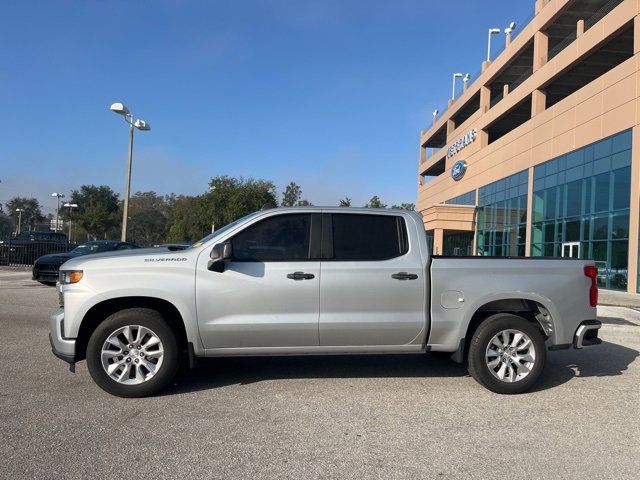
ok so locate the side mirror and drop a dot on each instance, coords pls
(219, 254)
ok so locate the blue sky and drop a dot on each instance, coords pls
(330, 94)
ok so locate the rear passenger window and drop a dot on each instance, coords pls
(368, 237)
(275, 239)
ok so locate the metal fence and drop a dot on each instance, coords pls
(21, 252)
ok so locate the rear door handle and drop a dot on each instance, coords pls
(300, 276)
(404, 276)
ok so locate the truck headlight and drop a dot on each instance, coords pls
(68, 277)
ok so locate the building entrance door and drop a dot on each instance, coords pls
(571, 250)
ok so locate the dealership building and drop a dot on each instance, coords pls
(539, 155)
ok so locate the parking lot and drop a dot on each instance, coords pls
(329, 417)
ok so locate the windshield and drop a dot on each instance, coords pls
(91, 247)
(227, 227)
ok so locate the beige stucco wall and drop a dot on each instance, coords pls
(604, 107)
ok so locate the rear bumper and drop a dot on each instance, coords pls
(587, 334)
(63, 348)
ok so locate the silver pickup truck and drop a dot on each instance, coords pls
(295, 281)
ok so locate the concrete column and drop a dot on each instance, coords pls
(507, 40)
(527, 248)
(423, 155)
(438, 235)
(485, 65)
(483, 138)
(451, 126)
(540, 50)
(634, 213)
(505, 90)
(485, 98)
(579, 28)
(538, 102)
(539, 5)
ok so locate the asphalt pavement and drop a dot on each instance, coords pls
(316, 417)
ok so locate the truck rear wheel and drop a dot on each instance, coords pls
(507, 354)
(133, 353)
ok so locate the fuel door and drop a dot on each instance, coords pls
(452, 299)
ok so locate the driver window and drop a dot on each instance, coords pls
(275, 239)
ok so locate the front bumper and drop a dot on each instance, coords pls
(45, 275)
(63, 348)
(587, 334)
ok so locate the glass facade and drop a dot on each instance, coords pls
(502, 216)
(581, 207)
(457, 244)
(468, 198)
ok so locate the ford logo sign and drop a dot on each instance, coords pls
(458, 170)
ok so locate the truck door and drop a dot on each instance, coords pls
(372, 285)
(268, 294)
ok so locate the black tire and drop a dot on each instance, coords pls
(479, 343)
(134, 316)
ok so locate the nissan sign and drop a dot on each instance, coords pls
(458, 169)
(462, 143)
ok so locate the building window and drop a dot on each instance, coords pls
(502, 217)
(468, 198)
(457, 244)
(581, 207)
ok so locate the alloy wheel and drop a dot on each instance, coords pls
(132, 355)
(510, 355)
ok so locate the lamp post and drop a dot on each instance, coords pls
(70, 206)
(120, 109)
(492, 31)
(508, 31)
(453, 88)
(19, 210)
(58, 196)
(465, 80)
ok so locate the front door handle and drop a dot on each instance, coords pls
(300, 276)
(404, 276)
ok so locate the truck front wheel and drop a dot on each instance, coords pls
(506, 354)
(133, 353)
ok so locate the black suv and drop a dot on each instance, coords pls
(45, 268)
(25, 247)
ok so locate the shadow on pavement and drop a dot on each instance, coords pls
(219, 372)
(605, 360)
(608, 359)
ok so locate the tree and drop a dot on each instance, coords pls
(345, 202)
(230, 198)
(184, 219)
(375, 203)
(31, 212)
(192, 217)
(6, 226)
(291, 195)
(98, 210)
(405, 206)
(148, 219)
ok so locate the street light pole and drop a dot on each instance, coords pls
(453, 88)
(58, 196)
(492, 31)
(127, 194)
(19, 210)
(70, 206)
(120, 109)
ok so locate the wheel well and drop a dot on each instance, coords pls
(530, 310)
(102, 310)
